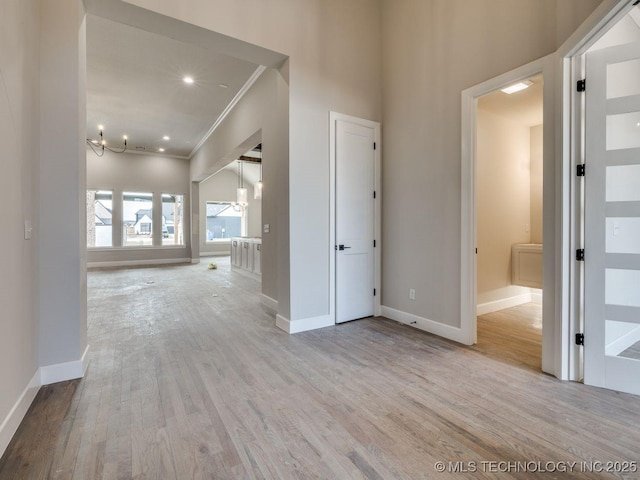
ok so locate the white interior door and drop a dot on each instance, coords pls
(612, 219)
(355, 177)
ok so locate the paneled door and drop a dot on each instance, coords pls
(612, 219)
(355, 163)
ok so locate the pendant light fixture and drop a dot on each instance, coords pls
(257, 187)
(99, 146)
(241, 196)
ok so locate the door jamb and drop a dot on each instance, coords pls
(333, 118)
(572, 54)
(468, 293)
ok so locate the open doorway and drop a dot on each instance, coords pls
(509, 172)
(232, 224)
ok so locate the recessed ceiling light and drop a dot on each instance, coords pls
(516, 87)
(161, 149)
(100, 127)
(188, 80)
(166, 137)
(223, 85)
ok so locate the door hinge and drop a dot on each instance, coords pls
(374, 244)
(579, 338)
(580, 169)
(580, 255)
(374, 145)
(581, 85)
(374, 292)
(374, 194)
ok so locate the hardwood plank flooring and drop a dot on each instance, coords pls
(190, 379)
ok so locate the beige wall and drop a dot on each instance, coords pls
(432, 50)
(129, 172)
(19, 69)
(261, 116)
(334, 64)
(222, 187)
(503, 201)
(536, 183)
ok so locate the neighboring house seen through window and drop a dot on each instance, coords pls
(137, 219)
(224, 220)
(99, 218)
(172, 219)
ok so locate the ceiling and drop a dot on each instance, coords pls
(135, 87)
(524, 107)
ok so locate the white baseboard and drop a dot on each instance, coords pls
(304, 324)
(43, 376)
(536, 297)
(135, 263)
(195, 260)
(226, 253)
(437, 328)
(62, 372)
(11, 423)
(621, 344)
(503, 303)
(269, 303)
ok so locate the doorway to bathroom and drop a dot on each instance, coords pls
(509, 168)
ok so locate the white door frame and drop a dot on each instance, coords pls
(572, 54)
(468, 284)
(333, 118)
(562, 233)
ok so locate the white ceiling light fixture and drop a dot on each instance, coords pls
(99, 146)
(161, 149)
(517, 87)
(257, 187)
(166, 137)
(188, 79)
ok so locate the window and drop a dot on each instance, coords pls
(137, 219)
(99, 218)
(172, 221)
(223, 221)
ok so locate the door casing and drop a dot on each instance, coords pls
(377, 257)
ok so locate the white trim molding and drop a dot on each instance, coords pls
(43, 376)
(304, 324)
(241, 93)
(497, 305)
(554, 355)
(442, 330)
(377, 281)
(136, 263)
(62, 372)
(12, 421)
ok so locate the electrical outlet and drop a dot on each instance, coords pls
(412, 294)
(265, 228)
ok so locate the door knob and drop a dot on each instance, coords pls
(342, 247)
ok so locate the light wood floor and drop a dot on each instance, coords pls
(189, 378)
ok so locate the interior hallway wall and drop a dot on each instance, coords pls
(19, 125)
(334, 65)
(503, 202)
(432, 51)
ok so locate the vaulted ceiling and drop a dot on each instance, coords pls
(135, 87)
